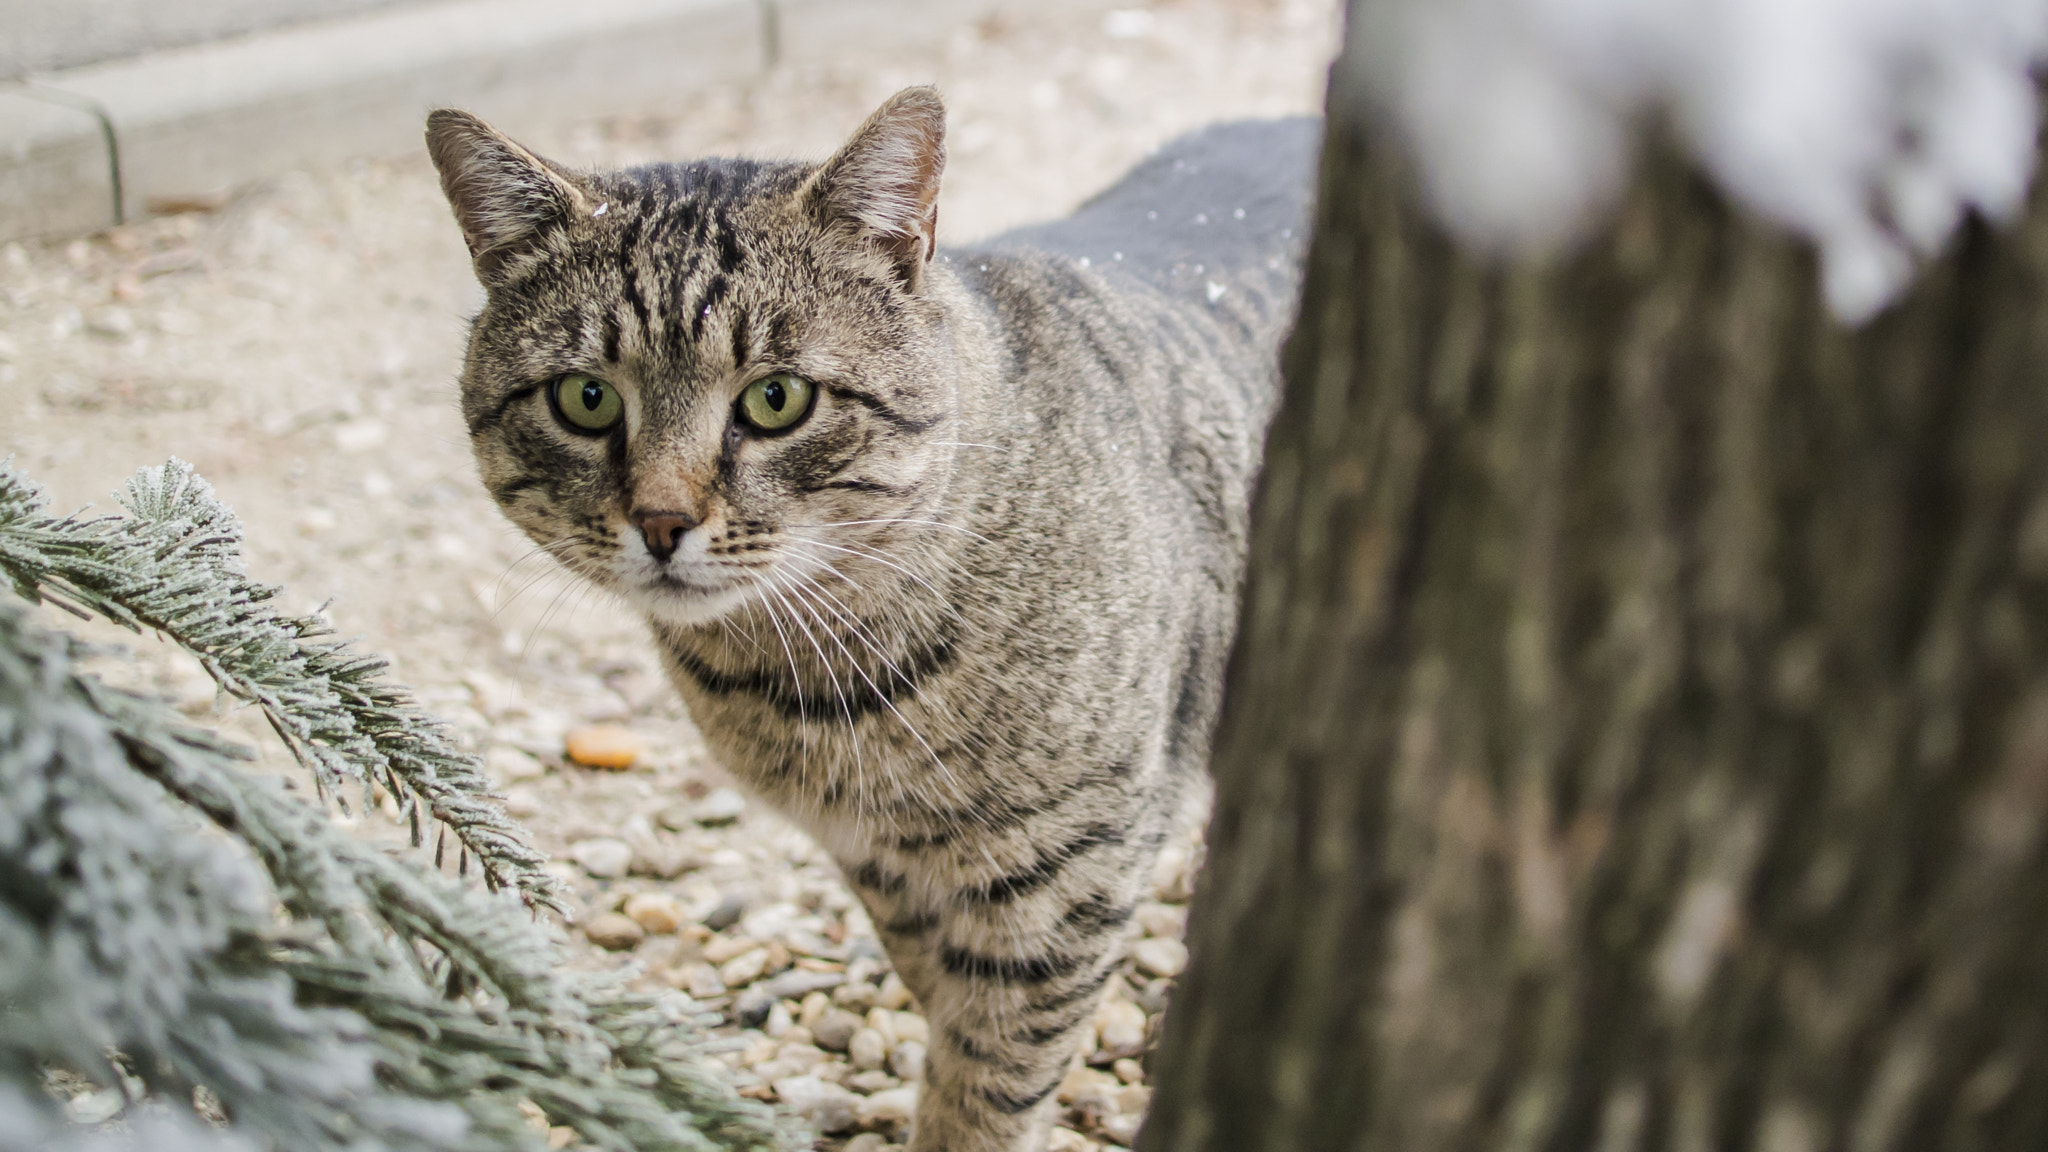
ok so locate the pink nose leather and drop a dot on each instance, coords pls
(663, 531)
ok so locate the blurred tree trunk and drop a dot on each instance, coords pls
(1638, 734)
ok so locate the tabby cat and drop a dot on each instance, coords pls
(941, 549)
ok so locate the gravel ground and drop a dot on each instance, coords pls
(299, 346)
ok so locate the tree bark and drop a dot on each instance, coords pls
(1637, 736)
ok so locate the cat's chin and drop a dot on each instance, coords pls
(689, 607)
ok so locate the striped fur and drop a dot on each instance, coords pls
(967, 622)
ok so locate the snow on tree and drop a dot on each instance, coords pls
(1869, 126)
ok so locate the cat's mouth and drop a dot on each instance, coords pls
(688, 599)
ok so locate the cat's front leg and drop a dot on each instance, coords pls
(1008, 985)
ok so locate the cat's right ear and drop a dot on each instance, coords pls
(505, 197)
(883, 185)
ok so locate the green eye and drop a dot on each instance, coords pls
(775, 403)
(587, 404)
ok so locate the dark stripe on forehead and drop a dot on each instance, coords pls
(739, 339)
(629, 277)
(729, 255)
(781, 343)
(611, 338)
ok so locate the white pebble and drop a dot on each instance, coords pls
(1163, 919)
(1156, 956)
(721, 806)
(911, 1026)
(602, 857)
(907, 1062)
(1068, 1140)
(867, 1050)
(827, 1106)
(894, 1106)
(1121, 1026)
(744, 969)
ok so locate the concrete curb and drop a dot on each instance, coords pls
(191, 124)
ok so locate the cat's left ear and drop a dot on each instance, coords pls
(883, 185)
(505, 197)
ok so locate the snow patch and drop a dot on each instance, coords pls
(1869, 126)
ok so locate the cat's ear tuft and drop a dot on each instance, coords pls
(883, 185)
(504, 196)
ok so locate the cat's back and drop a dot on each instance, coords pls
(1219, 212)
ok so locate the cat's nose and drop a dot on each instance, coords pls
(663, 531)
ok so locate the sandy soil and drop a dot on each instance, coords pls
(300, 346)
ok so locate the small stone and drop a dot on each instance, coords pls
(656, 912)
(884, 1021)
(721, 806)
(866, 1142)
(663, 859)
(867, 1050)
(1121, 1026)
(907, 1061)
(911, 1026)
(725, 948)
(874, 1080)
(858, 995)
(779, 1021)
(1171, 875)
(614, 932)
(1154, 995)
(744, 969)
(895, 1106)
(829, 1107)
(1068, 1140)
(758, 1052)
(813, 1009)
(835, 1029)
(699, 980)
(893, 994)
(509, 763)
(798, 1034)
(1122, 1127)
(1088, 1087)
(726, 914)
(603, 746)
(804, 1056)
(791, 985)
(1163, 919)
(1129, 1071)
(602, 857)
(1157, 956)
(833, 1071)
(560, 1137)
(1133, 1099)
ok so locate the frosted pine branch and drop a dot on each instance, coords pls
(174, 565)
(330, 995)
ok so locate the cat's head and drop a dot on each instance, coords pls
(696, 383)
